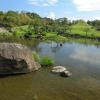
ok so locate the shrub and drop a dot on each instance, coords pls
(36, 56)
(46, 61)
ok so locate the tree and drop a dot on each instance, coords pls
(95, 23)
(70, 29)
(32, 15)
(1, 18)
(86, 30)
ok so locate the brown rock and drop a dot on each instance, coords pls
(16, 58)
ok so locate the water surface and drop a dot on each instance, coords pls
(82, 60)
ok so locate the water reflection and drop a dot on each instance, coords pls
(89, 54)
(70, 54)
(55, 47)
(82, 60)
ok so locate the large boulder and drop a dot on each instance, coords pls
(16, 58)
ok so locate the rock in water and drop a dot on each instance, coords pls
(65, 74)
(58, 69)
(62, 71)
(16, 58)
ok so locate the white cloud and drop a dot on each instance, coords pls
(43, 2)
(52, 15)
(52, 2)
(86, 55)
(98, 18)
(87, 5)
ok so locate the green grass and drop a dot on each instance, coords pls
(55, 37)
(79, 29)
(21, 30)
(46, 61)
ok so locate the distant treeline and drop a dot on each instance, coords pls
(12, 19)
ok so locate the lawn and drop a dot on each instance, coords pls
(80, 27)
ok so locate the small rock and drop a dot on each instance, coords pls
(65, 74)
(62, 71)
(58, 69)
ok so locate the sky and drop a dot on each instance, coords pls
(72, 9)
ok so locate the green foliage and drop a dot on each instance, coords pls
(36, 56)
(82, 28)
(95, 23)
(55, 37)
(46, 61)
(26, 24)
(13, 19)
(86, 29)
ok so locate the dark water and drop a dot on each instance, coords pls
(82, 60)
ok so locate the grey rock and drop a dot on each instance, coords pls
(65, 74)
(16, 58)
(3, 30)
(58, 69)
(62, 71)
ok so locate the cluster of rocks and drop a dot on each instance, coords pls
(62, 71)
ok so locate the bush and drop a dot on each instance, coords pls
(46, 61)
(36, 56)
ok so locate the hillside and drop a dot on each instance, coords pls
(82, 27)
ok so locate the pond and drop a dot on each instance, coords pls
(82, 60)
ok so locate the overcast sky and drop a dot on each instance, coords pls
(72, 9)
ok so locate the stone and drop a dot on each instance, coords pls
(65, 74)
(58, 69)
(62, 71)
(16, 59)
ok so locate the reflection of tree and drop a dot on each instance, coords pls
(38, 49)
(56, 46)
(97, 45)
(35, 46)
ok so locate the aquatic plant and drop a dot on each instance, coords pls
(46, 61)
(43, 61)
